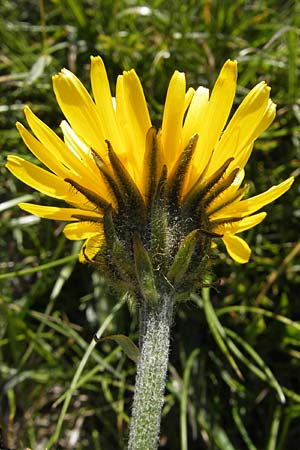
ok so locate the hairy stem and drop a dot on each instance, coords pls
(151, 374)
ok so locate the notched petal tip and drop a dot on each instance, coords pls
(177, 82)
(130, 73)
(64, 76)
(230, 62)
(96, 59)
(14, 159)
(229, 70)
(178, 74)
(54, 78)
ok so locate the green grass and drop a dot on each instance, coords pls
(235, 349)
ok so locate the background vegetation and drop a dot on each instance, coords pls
(50, 305)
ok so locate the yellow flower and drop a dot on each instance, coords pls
(111, 166)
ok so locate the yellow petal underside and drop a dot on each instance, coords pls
(94, 180)
(136, 104)
(91, 247)
(57, 213)
(173, 119)
(188, 97)
(42, 153)
(104, 104)
(195, 115)
(239, 226)
(237, 248)
(268, 117)
(57, 163)
(129, 141)
(77, 146)
(67, 162)
(52, 142)
(252, 115)
(82, 230)
(80, 110)
(220, 104)
(226, 196)
(134, 122)
(37, 178)
(92, 232)
(46, 182)
(251, 205)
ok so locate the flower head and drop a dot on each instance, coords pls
(135, 192)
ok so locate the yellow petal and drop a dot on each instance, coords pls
(53, 143)
(195, 115)
(104, 103)
(74, 143)
(237, 248)
(242, 156)
(134, 120)
(229, 194)
(82, 230)
(41, 152)
(66, 161)
(242, 225)
(136, 103)
(94, 181)
(80, 110)
(267, 119)
(218, 110)
(248, 222)
(251, 112)
(91, 247)
(37, 178)
(188, 97)
(173, 119)
(45, 182)
(124, 126)
(250, 205)
(57, 213)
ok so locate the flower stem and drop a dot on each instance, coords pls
(155, 323)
